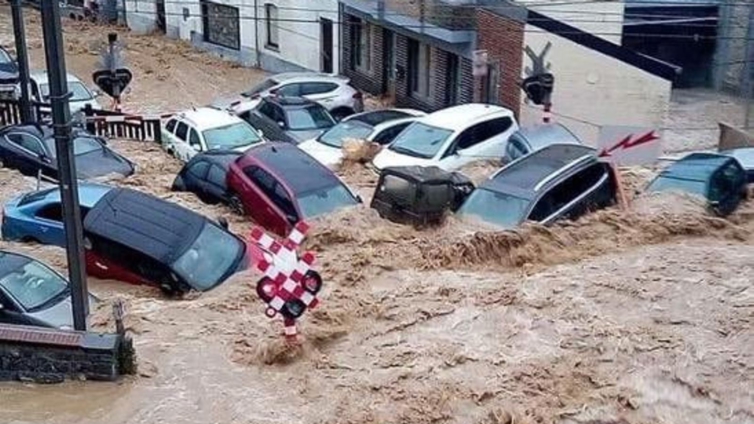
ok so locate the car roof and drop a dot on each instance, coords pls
(289, 101)
(220, 157)
(299, 171)
(744, 155)
(11, 261)
(159, 229)
(204, 118)
(40, 77)
(523, 176)
(89, 194)
(374, 118)
(539, 136)
(308, 76)
(696, 166)
(459, 117)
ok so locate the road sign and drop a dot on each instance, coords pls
(289, 286)
(622, 145)
(112, 82)
(480, 63)
(538, 88)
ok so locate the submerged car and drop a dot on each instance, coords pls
(31, 150)
(744, 156)
(8, 75)
(380, 126)
(32, 293)
(205, 175)
(560, 181)
(278, 185)
(81, 96)
(133, 237)
(719, 179)
(530, 139)
(289, 119)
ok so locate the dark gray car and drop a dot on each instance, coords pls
(530, 139)
(31, 293)
(289, 119)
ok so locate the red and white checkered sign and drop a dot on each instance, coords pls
(289, 278)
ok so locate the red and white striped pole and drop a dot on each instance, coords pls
(547, 115)
(291, 332)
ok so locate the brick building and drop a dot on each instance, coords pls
(420, 52)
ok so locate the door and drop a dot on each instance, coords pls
(388, 62)
(326, 45)
(257, 199)
(161, 15)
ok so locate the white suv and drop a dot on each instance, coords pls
(451, 138)
(331, 91)
(199, 130)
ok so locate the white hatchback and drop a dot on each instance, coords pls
(451, 138)
(199, 130)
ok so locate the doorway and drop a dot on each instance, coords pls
(453, 69)
(161, 24)
(326, 45)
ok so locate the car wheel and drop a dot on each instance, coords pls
(236, 205)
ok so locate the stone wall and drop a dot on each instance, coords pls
(49, 356)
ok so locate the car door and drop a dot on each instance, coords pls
(289, 90)
(168, 135)
(180, 141)
(216, 187)
(28, 155)
(49, 223)
(194, 143)
(387, 135)
(196, 176)
(484, 140)
(258, 201)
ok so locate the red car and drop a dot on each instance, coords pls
(278, 184)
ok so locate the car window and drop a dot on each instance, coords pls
(231, 136)
(216, 176)
(335, 136)
(388, 135)
(312, 117)
(199, 170)
(420, 140)
(310, 88)
(213, 246)
(170, 126)
(283, 201)
(34, 285)
(267, 109)
(480, 132)
(501, 209)
(289, 90)
(266, 84)
(27, 142)
(53, 212)
(5, 57)
(262, 179)
(82, 145)
(181, 131)
(515, 148)
(194, 139)
(566, 191)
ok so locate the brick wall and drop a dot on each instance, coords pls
(370, 81)
(503, 38)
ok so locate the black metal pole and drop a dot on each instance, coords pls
(112, 38)
(61, 117)
(23, 60)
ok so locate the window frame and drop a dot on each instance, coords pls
(193, 133)
(272, 28)
(208, 22)
(400, 127)
(39, 142)
(167, 125)
(569, 204)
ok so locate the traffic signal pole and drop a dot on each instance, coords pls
(61, 119)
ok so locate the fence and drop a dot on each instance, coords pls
(104, 123)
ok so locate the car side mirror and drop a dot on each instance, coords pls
(281, 124)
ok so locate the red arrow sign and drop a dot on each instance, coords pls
(628, 142)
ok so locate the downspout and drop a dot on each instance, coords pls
(256, 33)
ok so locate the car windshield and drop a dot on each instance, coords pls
(496, 208)
(262, 86)
(667, 183)
(34, 285)
(420, 140)
(231, 136)
(325, 200)
(209, 259)
(335, 136)
(5, 57)
(309, 118)
(81, 146)
(78, 91)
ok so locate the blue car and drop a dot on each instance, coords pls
(38, 216)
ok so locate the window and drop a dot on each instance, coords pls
(262, 179)
(53, 212)
(182, 131)
(194, 140)
(289, 90)
(34, 285)
(309, 118)
(516, 148)
(270, 111)
(502, 209)
(420, 69)
(78, 91)
(494, 127)
(388, 135)
(283, 201)
(311, 88)
(271, 22)
(27, 142)
(231, 136)
(221, 25)
(170, 126)
(361, 42)
(568, 190)
(420, 140)
(216, 176)
(199, 170)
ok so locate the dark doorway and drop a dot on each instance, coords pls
(326, 47)
(413, 65)
(161, 15)
(490, 82)
(388, 61)
(451, 93)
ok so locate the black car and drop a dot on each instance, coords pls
(718, 178)
(204, 175)
(289, 119)
(560, 181)
(31, 149)
(8, 75)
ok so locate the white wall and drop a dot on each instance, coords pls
(603, 19)
(596, 88)
(141, 15)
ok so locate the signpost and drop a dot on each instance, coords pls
(113, 76)
(289, 286)
(627, 146)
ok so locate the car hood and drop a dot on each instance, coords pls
(303, 135)
(60, 314)
(102, 163)
(387, 157)
(324, 154)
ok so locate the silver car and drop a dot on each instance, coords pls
(39, 90)
(32, 293)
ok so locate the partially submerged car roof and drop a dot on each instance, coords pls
(539, 136)
(161, 230)
(697, 166)
(524, 176)
(419, 174)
